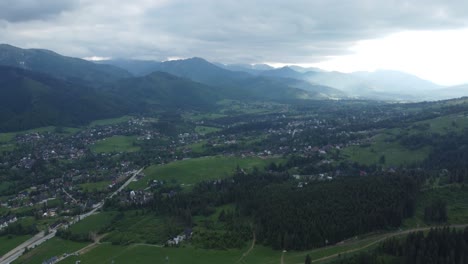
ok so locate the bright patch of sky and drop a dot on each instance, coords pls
(439, 56)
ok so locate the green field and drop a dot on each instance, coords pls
(6, 137)
(203, 130)
(116, 144)
(151, 254)
(395, 154)
(138, 253)
(93, 223)
(8, 243)
(197, 147)
(385, 145)
(202, 116)
(191, 171)
(456, 197)
(110, 121)
(239, 107)
(443, 125)
(140, 227)
(294, 257)
(7, 147)
(53, 247)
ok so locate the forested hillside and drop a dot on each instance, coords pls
(30, 100)
(61, 67)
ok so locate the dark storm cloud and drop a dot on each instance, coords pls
(296, 31)
(24, 10)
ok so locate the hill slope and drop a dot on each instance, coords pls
(61, 67)
(29, 99)
(163, 90)
(237, 84)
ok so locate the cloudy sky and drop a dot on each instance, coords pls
(424, 37)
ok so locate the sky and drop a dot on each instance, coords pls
(423, 37)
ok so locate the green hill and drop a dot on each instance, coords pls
(162, 90)
(61, 67)
(29, 99)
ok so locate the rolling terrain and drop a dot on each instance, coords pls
(62, 67)
(30, 100)
(192, 161)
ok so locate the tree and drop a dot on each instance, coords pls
(382, 159)
(436, 211)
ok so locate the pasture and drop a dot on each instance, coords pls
(116, 144)
(192, 171)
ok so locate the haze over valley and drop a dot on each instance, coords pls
(154, 131)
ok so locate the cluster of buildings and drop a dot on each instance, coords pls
(175, 241)
(7, 220)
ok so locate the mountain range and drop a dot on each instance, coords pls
(61, 67)
(378, 85)
(40, 87)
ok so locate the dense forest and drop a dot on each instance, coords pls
(327, 212)
(30, 99)
(286, 216)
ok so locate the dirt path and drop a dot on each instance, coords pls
(84, 250)
(399, 233)
(245, 254)
(148, 245)
(384, 237)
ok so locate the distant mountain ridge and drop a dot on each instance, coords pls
(284, 72)
(164, 91)
(250, 68)
(235, 84)
(40, 87)
(61, 67)
(45, 90)
(379, 85)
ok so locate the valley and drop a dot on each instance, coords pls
(233, 132)
(191, 161)
(186, 152)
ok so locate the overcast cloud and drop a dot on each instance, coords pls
(295, 31)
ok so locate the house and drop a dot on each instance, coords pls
(5, 221)
(176, 240)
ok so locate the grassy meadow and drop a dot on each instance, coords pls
(191, 171)
(8, 243)
(53, 247)
(116, 144)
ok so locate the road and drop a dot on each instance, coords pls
(69, 195)
(126, 183)
(31, 243)
(40, 237)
